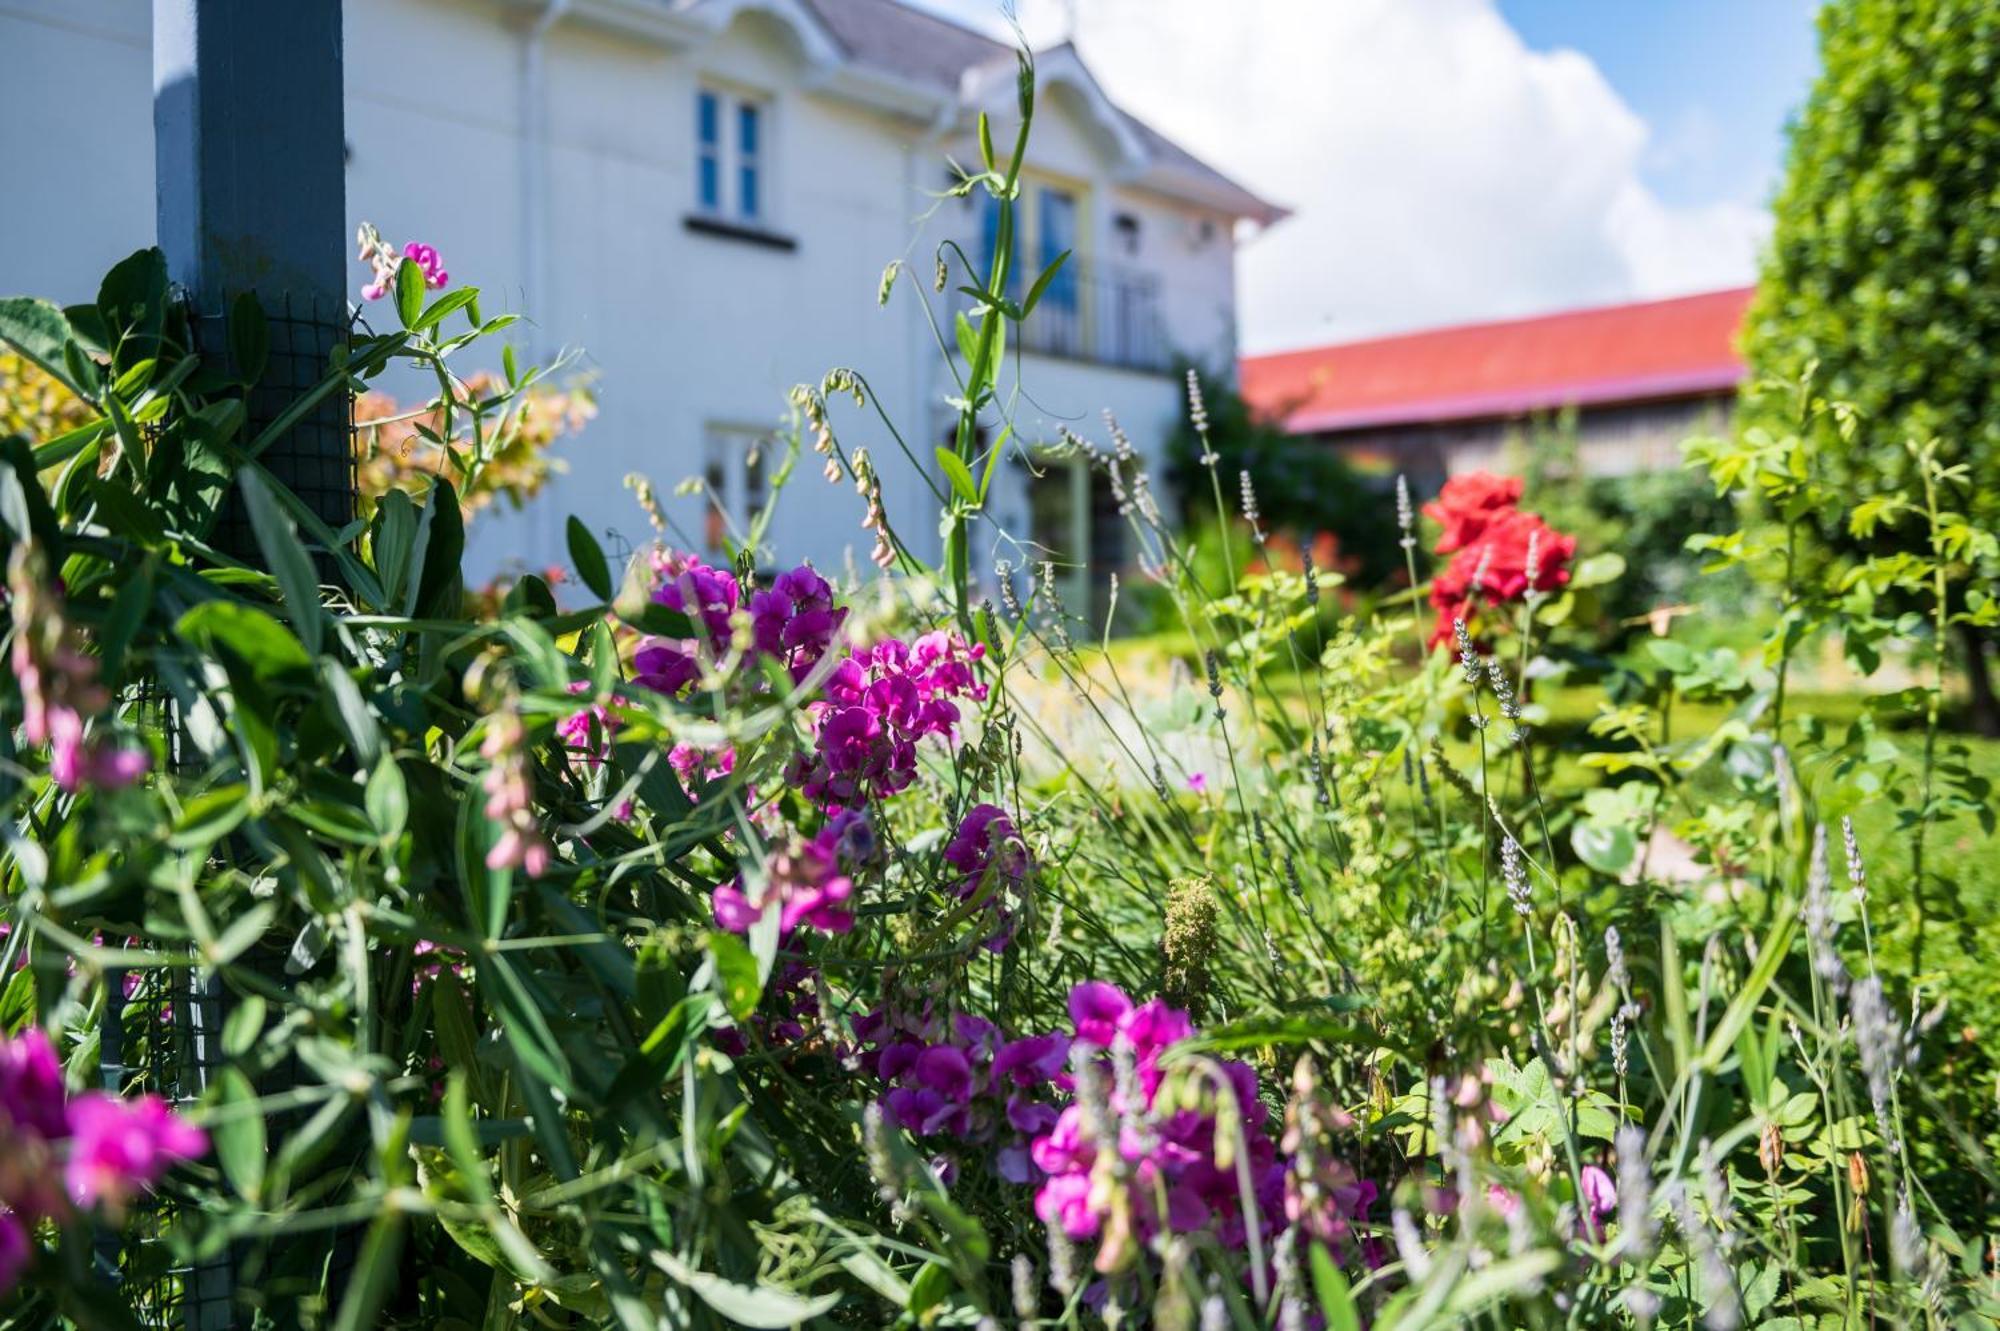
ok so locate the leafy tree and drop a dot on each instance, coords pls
(1883, 277)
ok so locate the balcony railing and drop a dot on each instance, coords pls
(1106, 316)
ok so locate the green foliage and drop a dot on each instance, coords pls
(1497, 932)
(1881, 289)
(1302, 488)
(1882, 269)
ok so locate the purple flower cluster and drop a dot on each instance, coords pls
(709, 597)
(1135, 1165)
(879, 703)
(59, 1153)
(992, 861)
(795, 619)
(961, 1081)
(60, 691)
(809, 879)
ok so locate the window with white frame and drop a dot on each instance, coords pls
(733, 467)
(732, 157)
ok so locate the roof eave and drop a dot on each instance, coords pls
(1713, 381)
(1208, 191)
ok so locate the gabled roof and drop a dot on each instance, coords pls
(1645, 352)
(908, 44)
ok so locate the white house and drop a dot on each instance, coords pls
(702, 196)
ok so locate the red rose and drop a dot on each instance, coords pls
(1498, 559)
(1468, 504)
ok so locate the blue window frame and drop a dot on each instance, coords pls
(708, 152)
(1058, 233)
(749, 160)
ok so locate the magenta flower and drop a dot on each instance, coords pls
(1065, 1200)
(31, 1085)
(1198, 782)
(383, 258)
(1098, 1009)
(945, 1069)
(992, 859)
(120, 1147)
(1174, 1177)
(426, 258)
(708, 597)
(809, 879)
(795, 619)
(16, 1250)
(880, 703)
(964, 1081)
(1033, 1061)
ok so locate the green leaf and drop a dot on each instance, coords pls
(238, 1134)
(1598, 569)
(209, 817)
(1609, 849)
(24, 508)
(38, 330)
(387, 799)
(489, 892)
(409, 292)
(1042, 284)
(961, 476)
(441, 307)
(1273, 1032)
(392, 543)
(356, 717)
(128, 611)
(1336, 1297)
(588, 556)
(132, 301)
(278, 539)
(242, 933)
(440, 589)
(735, 973)
(1777, 943)
(378, 1271)
(986, 156)
(245, 1023)
(762, 1306)
(254, 637)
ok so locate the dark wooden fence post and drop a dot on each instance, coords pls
(250, 149)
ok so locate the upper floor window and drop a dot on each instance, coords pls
(731, 155)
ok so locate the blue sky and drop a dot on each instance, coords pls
(1715, 79)
(1454, 160)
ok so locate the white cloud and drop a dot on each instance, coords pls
(1438, 169)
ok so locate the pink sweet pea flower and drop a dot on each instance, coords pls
(31, 1086)
(1098, 1008)
(121, 1147)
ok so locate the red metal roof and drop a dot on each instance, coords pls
(1644, 352)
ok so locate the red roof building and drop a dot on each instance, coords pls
(1639, 378)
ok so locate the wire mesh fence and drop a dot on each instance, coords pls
(161, 1030)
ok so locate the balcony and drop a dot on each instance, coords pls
(1102, 316)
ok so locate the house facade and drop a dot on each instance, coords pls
(1623, 386)
(701, 197)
